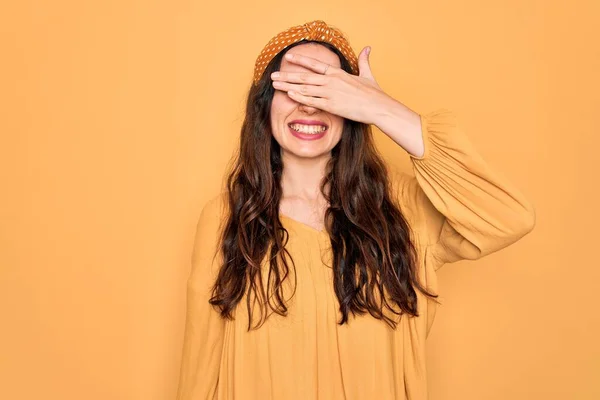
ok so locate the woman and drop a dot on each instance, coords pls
(314, 274)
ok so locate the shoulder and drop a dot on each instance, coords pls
(210, 223)
(214, 210)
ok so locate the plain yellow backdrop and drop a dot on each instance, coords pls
(117, 121)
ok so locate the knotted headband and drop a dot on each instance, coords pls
(315, 30)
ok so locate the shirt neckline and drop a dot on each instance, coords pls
(302, 224)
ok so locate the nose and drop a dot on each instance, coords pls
(308, 109)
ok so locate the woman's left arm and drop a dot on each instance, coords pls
(481, 211)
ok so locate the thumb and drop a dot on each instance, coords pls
(364, 68)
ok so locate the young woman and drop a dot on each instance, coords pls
(314, 274)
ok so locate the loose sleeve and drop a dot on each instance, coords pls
(204, 327)
(469, 210)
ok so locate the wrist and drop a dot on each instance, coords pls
(401, 124)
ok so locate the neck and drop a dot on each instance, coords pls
(301, 177)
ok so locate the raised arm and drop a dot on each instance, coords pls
(204, 327)
(468, 209)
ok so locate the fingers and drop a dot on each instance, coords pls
(306, 90)
(300, 77)
(311, 63)
(316, 102)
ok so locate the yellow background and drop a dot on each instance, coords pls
(118, 119)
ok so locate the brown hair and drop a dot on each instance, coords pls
(374, 259)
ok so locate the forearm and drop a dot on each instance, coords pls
(401, 124)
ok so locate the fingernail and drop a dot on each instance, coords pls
(275, 75)
(289, 56)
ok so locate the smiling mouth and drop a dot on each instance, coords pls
(308, 129)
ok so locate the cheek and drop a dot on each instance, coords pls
(339, 122)
(337, 138)
(282, 103)
(336, 119)
(281, 107)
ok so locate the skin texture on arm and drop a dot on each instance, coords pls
(402, 125)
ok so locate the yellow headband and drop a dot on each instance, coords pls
(315, 30)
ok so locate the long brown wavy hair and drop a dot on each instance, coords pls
(374, 258)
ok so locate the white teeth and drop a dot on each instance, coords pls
(310, 129)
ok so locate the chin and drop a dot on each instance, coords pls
(307, 153)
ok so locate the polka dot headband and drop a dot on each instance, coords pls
(315, 30)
